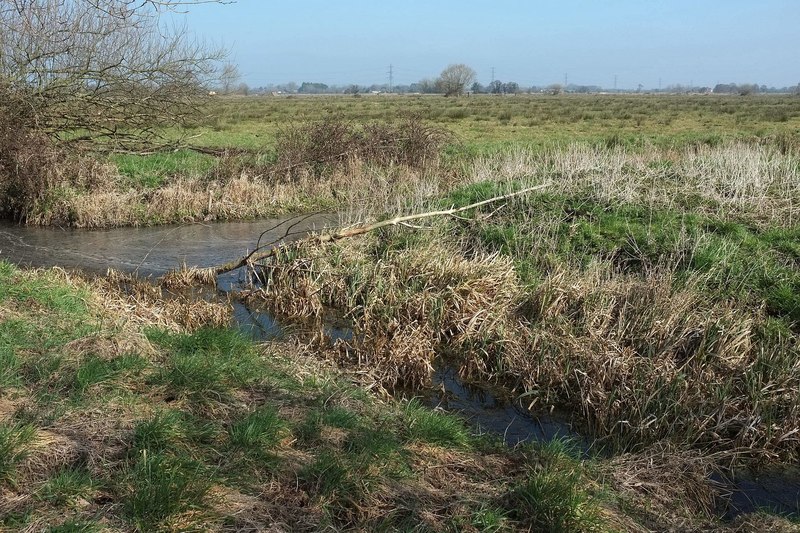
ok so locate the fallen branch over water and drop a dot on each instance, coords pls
(263, 252)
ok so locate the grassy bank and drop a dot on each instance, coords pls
(122, 411)
(651, 291)
(278, 155)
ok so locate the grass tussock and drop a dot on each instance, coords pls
(405, 310)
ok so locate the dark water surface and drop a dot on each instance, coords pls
(146, 251)
(154, 251)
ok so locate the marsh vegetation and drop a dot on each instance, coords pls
(650, 291)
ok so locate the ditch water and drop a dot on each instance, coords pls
(154, 251)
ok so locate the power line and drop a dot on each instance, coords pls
(391, 77)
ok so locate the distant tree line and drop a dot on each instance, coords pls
(458, 79)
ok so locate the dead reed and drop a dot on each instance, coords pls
(144, 304)
(637, 357)
(759, 182)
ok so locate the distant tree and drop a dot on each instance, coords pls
(555, 88)
(228, 78)
(496, 87)
(747, 89)
(308, 87)
(511, 87)
(243, 89)
(455, 79)
(425, 86)
(352, 89)
(477, 88)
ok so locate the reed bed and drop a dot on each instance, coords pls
(730, 180)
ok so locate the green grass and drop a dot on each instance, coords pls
(554, 496)
(14, 440)
(486, 121)
(172, 430)
(425, 425)
(152, 171)
(259, 430)
(207, 365)
(67, 486)
(737, 259)
(95, 371)
(160, 486)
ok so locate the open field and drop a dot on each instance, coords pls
(650, 291)
(484, 122)
(264, 172)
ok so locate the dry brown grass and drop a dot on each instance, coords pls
(641, 358)
(356, 188)
(663, 476)
(453, 302)
(759, 182)
(139, 303)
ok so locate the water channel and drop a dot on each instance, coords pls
(150, 252)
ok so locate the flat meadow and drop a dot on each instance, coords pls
(646, 287)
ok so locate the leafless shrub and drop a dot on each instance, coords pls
(32, 167)
(332, 142)
(105, 68)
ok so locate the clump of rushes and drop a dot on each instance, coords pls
(405, 309)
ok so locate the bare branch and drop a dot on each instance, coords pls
(104, 68)
(263, 252)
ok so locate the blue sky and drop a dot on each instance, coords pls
(531, 42)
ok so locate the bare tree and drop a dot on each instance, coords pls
(85, 69)
(455, 79)
(228, 78)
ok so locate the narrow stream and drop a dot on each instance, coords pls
(154, 251)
